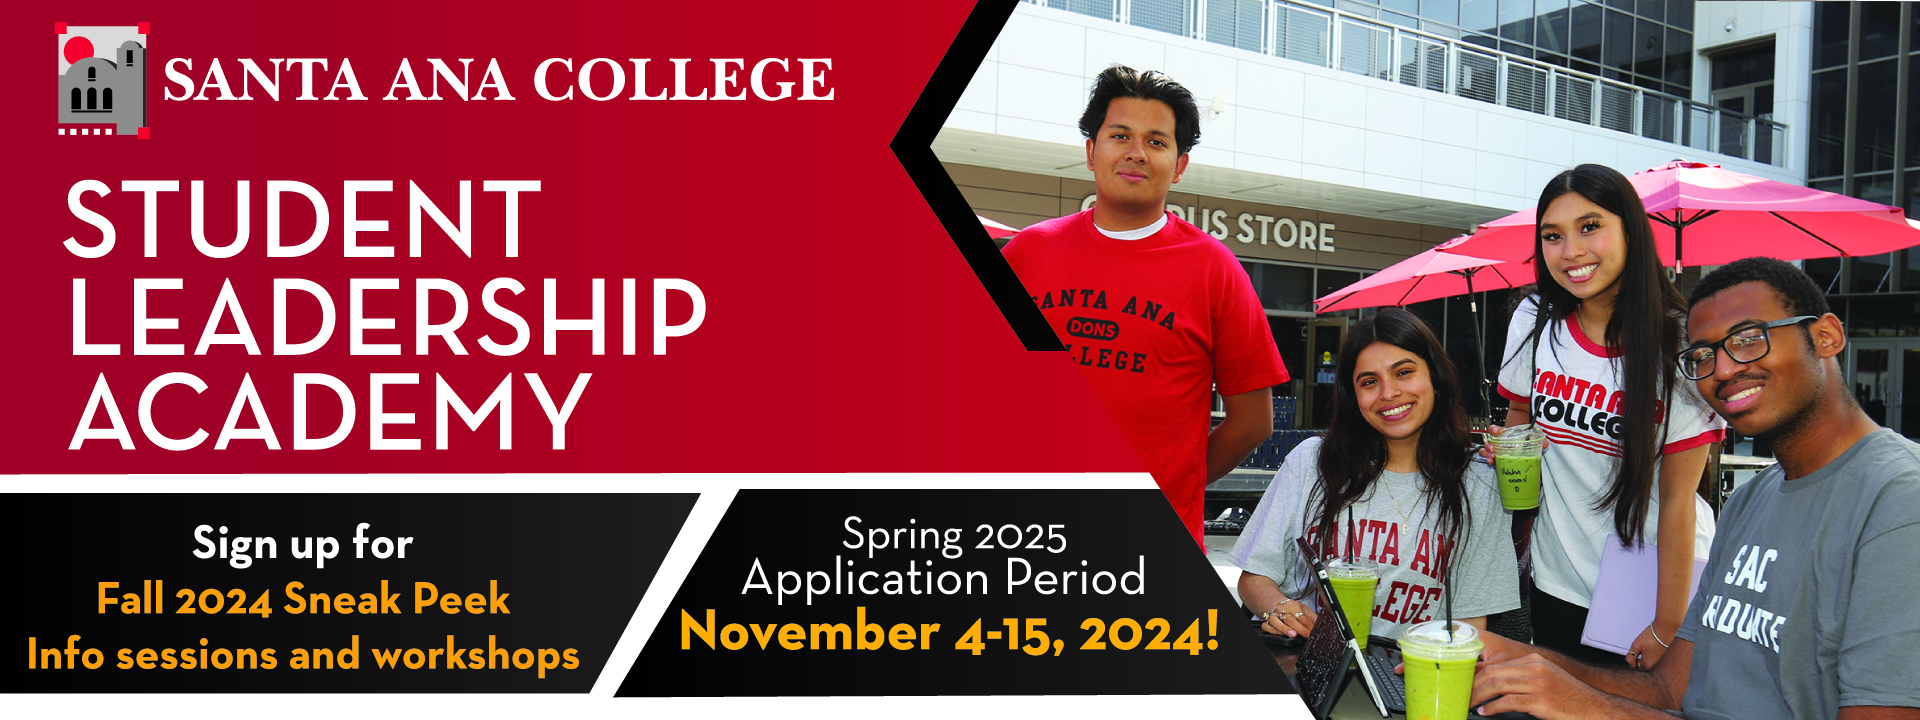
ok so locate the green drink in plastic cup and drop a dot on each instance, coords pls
(1353, 583)
(1516, 463)
(1439, 669)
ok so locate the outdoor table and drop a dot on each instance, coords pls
(1728, 465)
(1354, 703)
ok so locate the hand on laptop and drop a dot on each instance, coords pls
(1535, 686)
(1499, 649)
(1291, 618)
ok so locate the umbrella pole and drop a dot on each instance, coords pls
(1678, 250)
(1479, 345)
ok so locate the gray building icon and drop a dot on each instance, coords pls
(98, 91)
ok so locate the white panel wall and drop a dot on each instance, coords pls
(1791, 25)
(1294, 120)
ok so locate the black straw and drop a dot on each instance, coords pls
(1449, 603)
(1350, 532)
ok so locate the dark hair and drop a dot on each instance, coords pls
(1796, 291)
(1120, 81)
(1645, 327)
(1353, 453)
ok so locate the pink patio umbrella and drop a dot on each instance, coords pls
(1728, 216)
(996, 230)
(1431, 275)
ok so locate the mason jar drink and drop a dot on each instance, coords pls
(1516, 465)
(1439, 667)
(1353, 582)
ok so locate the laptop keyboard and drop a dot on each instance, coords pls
(1393, 688)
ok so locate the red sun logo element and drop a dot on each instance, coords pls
(77, 49)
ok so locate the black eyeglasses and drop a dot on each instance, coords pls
(1745, 345)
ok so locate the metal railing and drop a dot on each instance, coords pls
(1339, 40)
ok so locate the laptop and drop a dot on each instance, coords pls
(1321, 668)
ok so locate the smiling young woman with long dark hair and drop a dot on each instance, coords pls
(1588, 362)
(1395, 458)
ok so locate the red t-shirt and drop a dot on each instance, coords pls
(1153, 323)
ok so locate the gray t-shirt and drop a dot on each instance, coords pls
(1396, 528)
(1807, 601)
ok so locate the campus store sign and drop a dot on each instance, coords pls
(1297, 235)
(1281, 231)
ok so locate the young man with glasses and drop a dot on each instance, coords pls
(1805, 609)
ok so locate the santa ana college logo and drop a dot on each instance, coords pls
(103, 80)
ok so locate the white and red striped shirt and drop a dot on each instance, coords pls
(1572, 388)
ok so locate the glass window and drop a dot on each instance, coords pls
(1830, 34)
(1870, 274)
(1471, 351)
(1282, 287)
(1824, 272)
(1680, 14)
(1646, 48)
(1743, 68)
(1445, 11)
(1651, 9)
(1514, 48)
(1912, 205)
(1410, 7)
(1433, 313)
(1585, 34)
(1879, 317)
(1406, 21)
(1873, 115)
(1913, 109)
(1480, 15)
(1439, 29)
(1367, 11)
(1829, 119)
(1879, 29)
(1482, 41)
(1617, 53)
(1516, 20)
(1551, 34)
(1679, 58)
(1874, 188)
(1327, 282)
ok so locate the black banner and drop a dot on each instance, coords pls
(952, 592)
(327, 593)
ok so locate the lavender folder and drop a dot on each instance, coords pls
(1623, 595)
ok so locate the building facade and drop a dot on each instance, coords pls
(1865, 142)
(1402, 123)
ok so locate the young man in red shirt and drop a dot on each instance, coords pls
(1154, 311)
